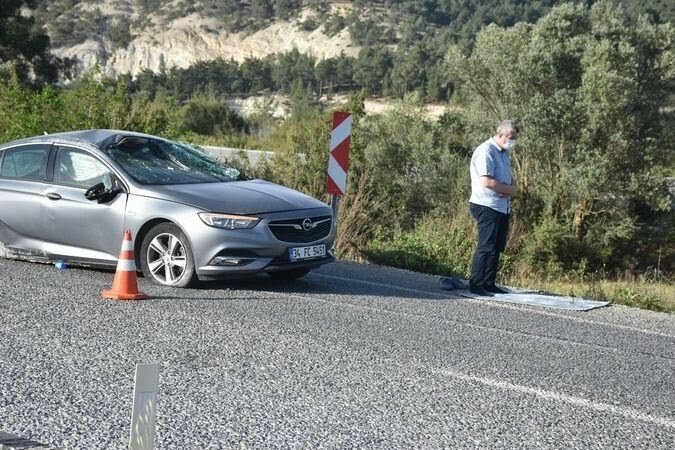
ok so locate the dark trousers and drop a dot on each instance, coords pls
(493, 228)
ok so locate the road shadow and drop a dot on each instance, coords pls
(339, 278)
(361, 280)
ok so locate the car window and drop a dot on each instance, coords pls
(78, 168)
(24, 162)
(150, 161)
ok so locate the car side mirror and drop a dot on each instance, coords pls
(95, 192)
(100, 193)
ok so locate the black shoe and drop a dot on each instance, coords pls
(479, 291)
(495, 289)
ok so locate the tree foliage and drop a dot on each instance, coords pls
(589, 86)
(24, 46)
(404, 42)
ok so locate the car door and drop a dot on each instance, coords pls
(22, 180)
(75, 226)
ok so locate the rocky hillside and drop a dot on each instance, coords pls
(129, 36)
(157, 43)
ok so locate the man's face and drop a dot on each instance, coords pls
(503, 138)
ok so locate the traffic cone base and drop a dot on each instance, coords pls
(114, 295)
(124, 285)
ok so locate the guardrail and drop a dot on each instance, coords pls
(229, 153)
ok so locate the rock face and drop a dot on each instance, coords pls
(187, 40)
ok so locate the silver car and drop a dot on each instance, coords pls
(70, 197)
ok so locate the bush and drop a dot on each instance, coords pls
(334, 25)
(152, 117)
(301, 153)
(356, 227)
(309, 24)
(550, 248)
(631, 297)
(439, 246)
(120, 34)
(413, 171)
(204, 114)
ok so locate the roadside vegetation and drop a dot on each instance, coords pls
(592, 87)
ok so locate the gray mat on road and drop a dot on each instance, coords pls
(536, 299)
(525, 297)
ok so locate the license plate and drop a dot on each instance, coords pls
(313, 251)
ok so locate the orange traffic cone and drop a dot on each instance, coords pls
(124, 285)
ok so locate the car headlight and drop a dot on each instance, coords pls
(229, 221)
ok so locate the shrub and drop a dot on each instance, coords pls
(356, 227)
(301, 153)
(205, 114)
(438, 245)
(631, 297)
(120, 34)
(413, 171)
(309, 24)
(551, 248)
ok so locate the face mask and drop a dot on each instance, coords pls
(510, 144)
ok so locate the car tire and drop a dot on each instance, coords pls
(290, 275)
(166, 257)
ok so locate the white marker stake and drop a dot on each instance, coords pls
(145, 405)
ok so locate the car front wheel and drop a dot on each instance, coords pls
(166, 256)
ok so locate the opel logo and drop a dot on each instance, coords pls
(307, 224)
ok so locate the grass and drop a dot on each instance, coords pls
(444, 249)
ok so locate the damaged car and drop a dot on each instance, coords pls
(70, 197)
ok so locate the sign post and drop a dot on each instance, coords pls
(338, 161)
(142, 436)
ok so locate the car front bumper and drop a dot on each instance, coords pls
(223, 253)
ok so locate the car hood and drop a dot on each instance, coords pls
(237, 197)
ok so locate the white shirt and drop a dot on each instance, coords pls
(491, 160)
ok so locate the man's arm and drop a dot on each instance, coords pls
(500, 188)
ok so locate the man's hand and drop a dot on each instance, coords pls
(504, 190)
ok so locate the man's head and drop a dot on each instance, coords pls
(507, 133)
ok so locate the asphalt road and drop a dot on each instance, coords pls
(351, 357)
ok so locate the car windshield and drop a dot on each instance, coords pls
(154, 161)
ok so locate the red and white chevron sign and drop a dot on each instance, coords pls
(338, 161)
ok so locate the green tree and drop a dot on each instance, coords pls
(149, 6)
(261, 9)
(364, 33)
(344, 71)
(119, 31)
(372, 69)
(301, 153)
(95, 102)
(24, 45)
(256, 75)
(411, 170)
(589, 86)
(26, 112)
(284, 9)
(293, 67)
(409, 70)
(325, 73)
(206, 114)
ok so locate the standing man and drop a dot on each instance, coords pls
(492, 187)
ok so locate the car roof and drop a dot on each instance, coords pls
(97, 137)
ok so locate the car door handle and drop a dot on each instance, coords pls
(53, 196)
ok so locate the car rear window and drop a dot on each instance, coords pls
(24, 162)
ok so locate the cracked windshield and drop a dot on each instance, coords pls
(155, 162)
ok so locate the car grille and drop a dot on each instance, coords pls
(306, 229)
